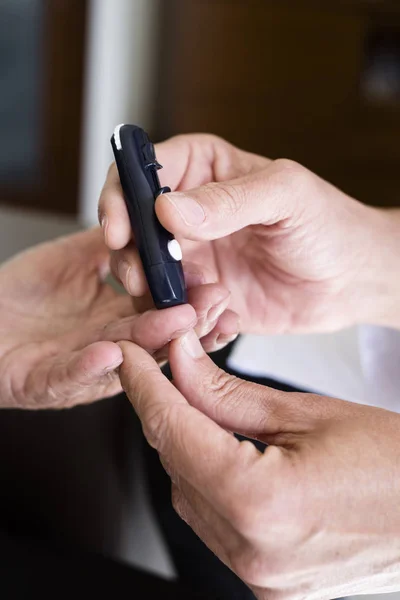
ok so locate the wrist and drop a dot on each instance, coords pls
(382, 285)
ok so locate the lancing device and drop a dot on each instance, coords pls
(159, 251)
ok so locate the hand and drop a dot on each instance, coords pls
(216, 325)
(316, 516)
(297, 254)
(59, 322)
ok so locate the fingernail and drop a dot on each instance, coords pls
(112, 367)
(190, 211)
(224, 340)
(191, 344)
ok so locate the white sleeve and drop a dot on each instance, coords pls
(358, 364)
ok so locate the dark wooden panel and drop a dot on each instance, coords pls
(56, 185)
(283, 79)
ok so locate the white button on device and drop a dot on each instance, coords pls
(175, 249)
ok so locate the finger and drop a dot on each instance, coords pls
(195, 159)
(153, 329)
(189, 158)
(112, 211)
(76, 378)
(225, 332)
(235, 404)
(127, 268)
(188, 161)
(215, 210)
(209, 301)
(87, 247)
(206, 456)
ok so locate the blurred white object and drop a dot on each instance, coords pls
(118, 87)
(360, 364)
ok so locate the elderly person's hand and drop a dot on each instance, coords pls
(315, 517)
(297, 254)
(59, 322)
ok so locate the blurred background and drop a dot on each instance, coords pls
(318, 82)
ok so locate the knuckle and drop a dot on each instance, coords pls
(224, 385)
(292, 172)
(200, 139)
(296, 187)
(289, 166)
(246, 562)
(227, 198)
(209, 139)
(226, 389)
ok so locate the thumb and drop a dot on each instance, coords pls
(238, 405)
(219, 209)
(77, 377)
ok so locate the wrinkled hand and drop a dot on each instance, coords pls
(297, 254)
(315, 517)
(59, 322)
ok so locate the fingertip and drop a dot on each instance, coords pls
(209, 301)
(168, 213)
(127, 268)
(186, 315)
(117, 232)
(207, 296)
(152, 329)
(186, 348)
(228, 324)
(113, 216)
(98, 359)
(163, 207)
(131, 354)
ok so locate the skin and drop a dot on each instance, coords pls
(297, 254)
(60, 321)
(316, 516)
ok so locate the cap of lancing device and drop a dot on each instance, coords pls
(160, 252)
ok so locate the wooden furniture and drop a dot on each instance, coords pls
(286, 78)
